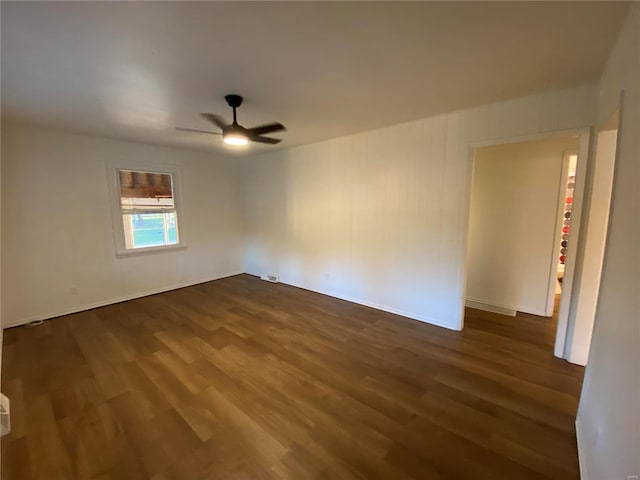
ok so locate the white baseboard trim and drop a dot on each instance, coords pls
(531, 311)
(581, 454)
(402, 313)
(479, 305)
(46, 316)
(510, 310)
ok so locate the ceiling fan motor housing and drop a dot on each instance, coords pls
(234, 101)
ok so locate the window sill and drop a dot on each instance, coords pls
(150, 250)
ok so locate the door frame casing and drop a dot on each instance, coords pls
(614, 121)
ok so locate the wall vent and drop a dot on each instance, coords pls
(271, 277)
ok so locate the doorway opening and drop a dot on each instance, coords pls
(570, 158)
(524, 226)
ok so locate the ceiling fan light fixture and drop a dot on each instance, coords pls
(235, 139)
(234, 133)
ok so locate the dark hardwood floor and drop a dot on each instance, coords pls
(244, 379)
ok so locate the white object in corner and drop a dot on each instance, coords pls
(5, 420)
(270, 277)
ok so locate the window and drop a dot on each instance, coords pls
(147, 211)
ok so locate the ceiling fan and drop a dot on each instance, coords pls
(234, 133)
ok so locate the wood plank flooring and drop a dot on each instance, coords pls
(244, 379)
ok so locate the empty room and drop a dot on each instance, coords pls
(319, 240)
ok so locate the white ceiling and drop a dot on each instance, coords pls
(135, 70)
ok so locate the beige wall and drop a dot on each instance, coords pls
(380, 218)
(57, 230)
(513, 223)
(609, 412)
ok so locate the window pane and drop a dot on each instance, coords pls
(150, 229)
(145, 190)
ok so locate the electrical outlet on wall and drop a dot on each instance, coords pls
(271, 277)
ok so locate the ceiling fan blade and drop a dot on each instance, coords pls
(268, 128)
(259, 139)
(215, 119)
(184, 129)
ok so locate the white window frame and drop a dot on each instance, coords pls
(116, 207)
